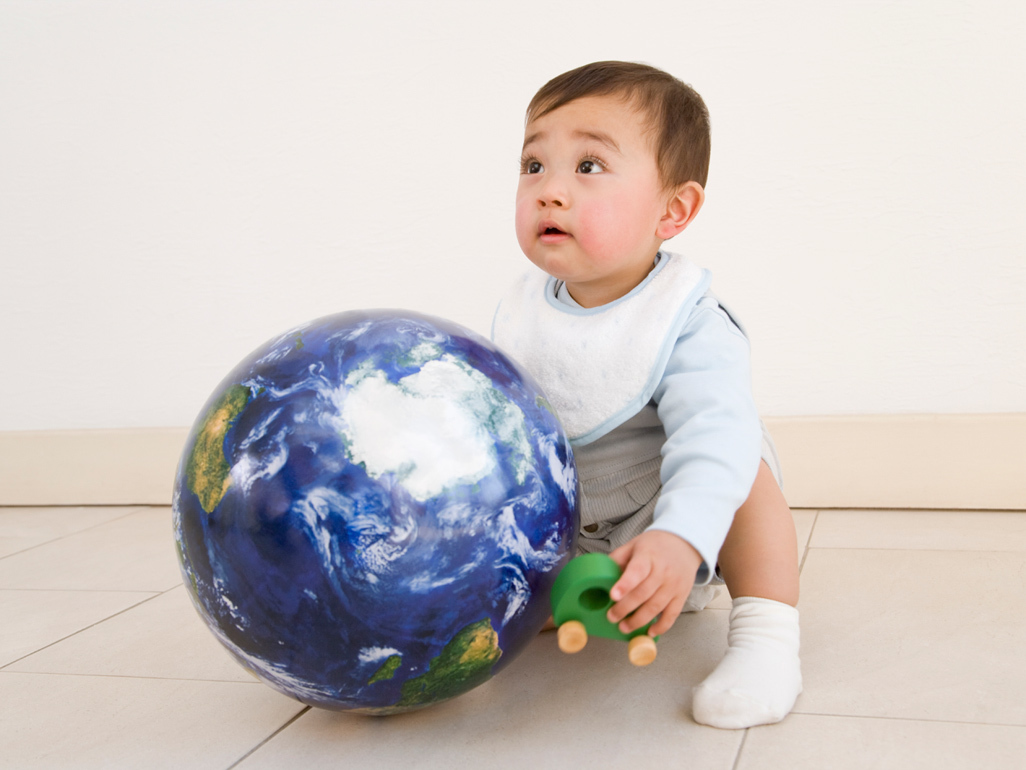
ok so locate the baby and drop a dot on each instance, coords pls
(650, 376)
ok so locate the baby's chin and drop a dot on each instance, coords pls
(552, 263)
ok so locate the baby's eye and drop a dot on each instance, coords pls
(589, 166)
(529, 166)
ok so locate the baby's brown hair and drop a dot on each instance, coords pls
(674, 111)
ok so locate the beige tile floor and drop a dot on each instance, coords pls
(914, 651)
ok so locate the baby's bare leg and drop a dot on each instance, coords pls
(759, 558)
(760, 676)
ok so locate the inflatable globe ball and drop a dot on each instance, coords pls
(371, 509)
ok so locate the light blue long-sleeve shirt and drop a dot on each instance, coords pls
(713, 437)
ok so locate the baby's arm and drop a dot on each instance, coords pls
(658, 572)
(710, 458)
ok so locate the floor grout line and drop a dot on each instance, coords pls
(916, 550)
(131, 512)
(251, 681)
(740, 749)
(91, 625)
(155, 591)
(808, 542)
(267, 740)
(66, 506)
(747, 731)
(908, 719)
(967, 511)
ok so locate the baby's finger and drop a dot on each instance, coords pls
(623, 608)
(634, 574)
(622, 555)
(667, 617)
(628, 606)
(646, 612)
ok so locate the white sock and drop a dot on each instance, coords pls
(759, 678)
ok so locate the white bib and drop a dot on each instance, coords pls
(598, 366)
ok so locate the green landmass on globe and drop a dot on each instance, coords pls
(464, 663)
(207, 471)
(541, 401)
(387, 670)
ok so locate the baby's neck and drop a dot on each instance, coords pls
(564, 295)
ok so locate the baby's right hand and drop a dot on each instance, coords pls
(659, 571)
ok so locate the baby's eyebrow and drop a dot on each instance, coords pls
(600, 137)
(597, 136)
(530, 138)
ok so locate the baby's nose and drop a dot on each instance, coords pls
(554, 196)
(554, 193)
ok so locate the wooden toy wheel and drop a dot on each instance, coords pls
(641, 650)
(572, 636)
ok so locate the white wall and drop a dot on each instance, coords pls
(181, 180)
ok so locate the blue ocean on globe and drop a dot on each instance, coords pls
(371, 509)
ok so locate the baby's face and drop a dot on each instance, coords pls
(590, 200)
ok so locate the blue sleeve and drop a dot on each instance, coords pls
(713, 438)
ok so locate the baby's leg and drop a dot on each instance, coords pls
(760, 555)
(760, 677)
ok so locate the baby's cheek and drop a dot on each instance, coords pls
(604, 230)
(525, 224)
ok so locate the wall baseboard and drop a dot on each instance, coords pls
(942, 461)
(974, 462)
(89, 467)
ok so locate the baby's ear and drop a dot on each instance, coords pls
(682, 207)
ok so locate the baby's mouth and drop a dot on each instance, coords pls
(549, 232)
(552, 235)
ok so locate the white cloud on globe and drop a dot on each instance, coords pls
(377, 654)
(433, 429)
